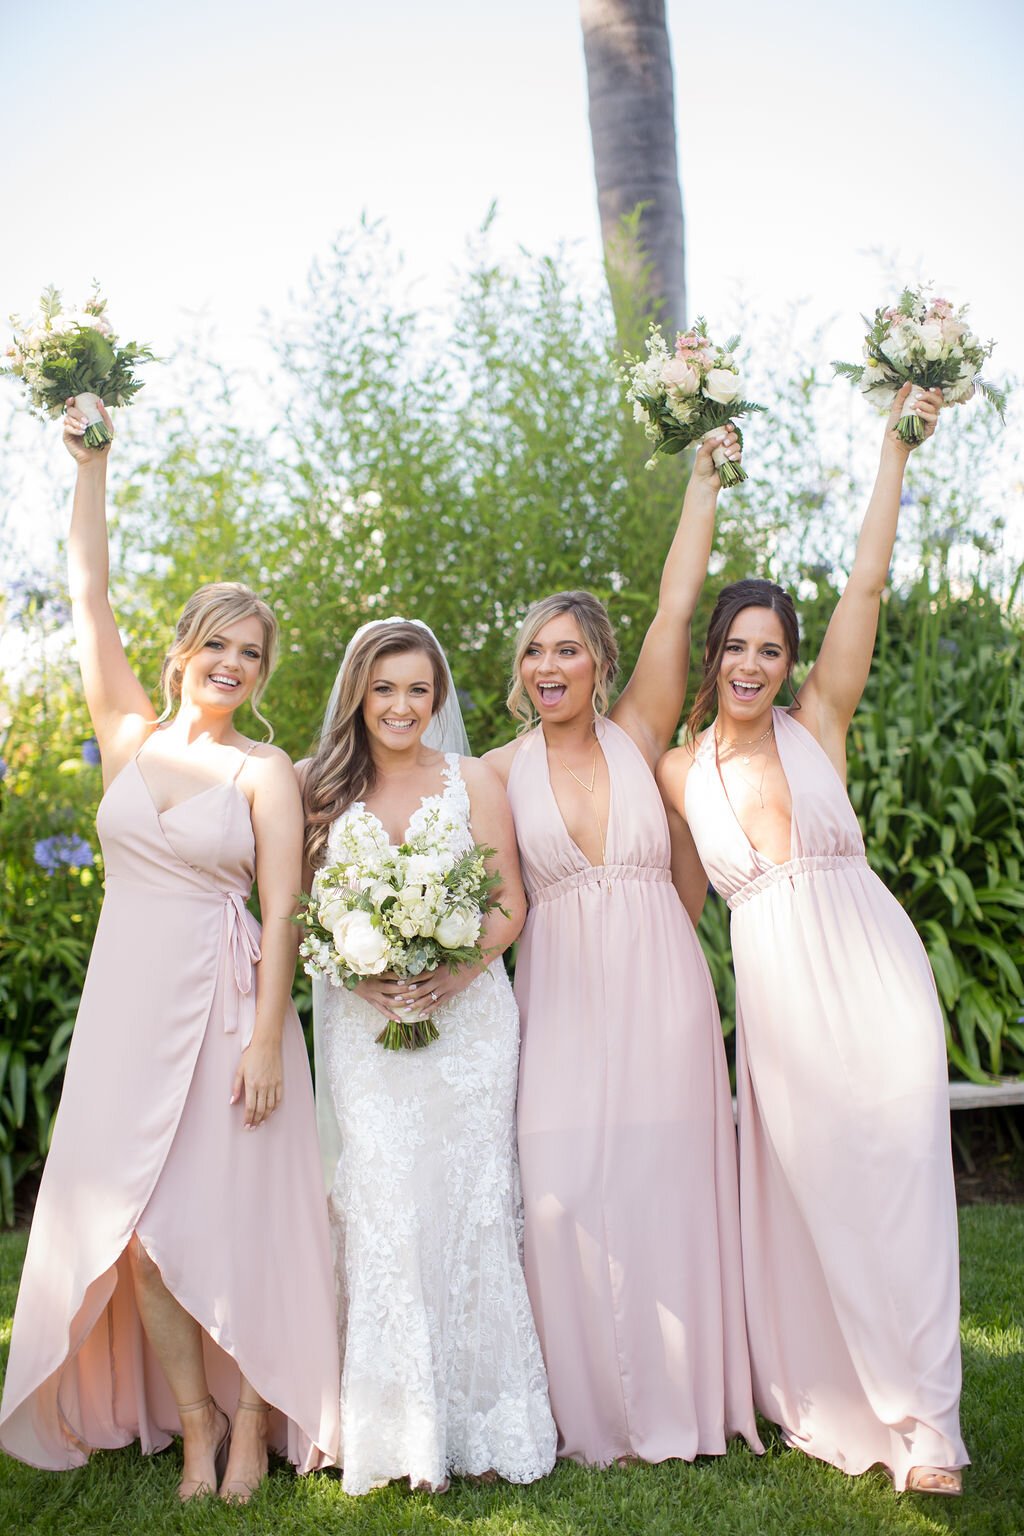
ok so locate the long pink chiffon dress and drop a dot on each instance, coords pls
(846, 1184)
(145, 1141)
(626, 1139)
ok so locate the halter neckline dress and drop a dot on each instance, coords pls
(626, 1138)
(846, 1186)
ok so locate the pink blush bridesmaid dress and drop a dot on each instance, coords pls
(846, 1186)
(626, 1140)
(145, 1141)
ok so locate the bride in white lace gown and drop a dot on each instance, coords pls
(441, 1366)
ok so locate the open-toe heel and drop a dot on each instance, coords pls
(194, 1488)
(236, 1491)
(923, 1480)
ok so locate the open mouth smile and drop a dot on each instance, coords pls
(551, 693)
(745, 690)
(220, 681)
(399, 725)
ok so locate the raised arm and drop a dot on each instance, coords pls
(836, 682)
(650, 704)
(277, 825)
(119, 707)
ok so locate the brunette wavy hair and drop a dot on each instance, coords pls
(209, 610)
(341, 769)
(750, 593)
(598, 637)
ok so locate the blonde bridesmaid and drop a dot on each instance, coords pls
(625, 1126)
(848, 1208)
(178, 1276)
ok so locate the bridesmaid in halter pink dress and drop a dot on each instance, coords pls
(626, 1139)
(846, 1186)
(178, 1275)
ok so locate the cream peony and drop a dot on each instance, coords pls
(723, 386)
(457, 929)
(932, 340)
(361, 946)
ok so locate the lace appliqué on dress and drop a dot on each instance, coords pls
(442, 1369)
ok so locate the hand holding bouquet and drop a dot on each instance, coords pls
(60, 355)
(927, 343)
(681, 397)
(376, 908)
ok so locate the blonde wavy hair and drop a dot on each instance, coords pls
(208, 611)
(598, 637)
(341, 769)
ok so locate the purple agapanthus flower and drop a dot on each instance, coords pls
(3, 769)
(91, 752)
(64, 848)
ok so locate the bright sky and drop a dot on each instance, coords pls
(197, 156)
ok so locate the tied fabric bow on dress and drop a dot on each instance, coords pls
(244, 952)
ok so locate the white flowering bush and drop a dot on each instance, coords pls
(929, 344)
(681, 396)
(61, 354)
(376, 907)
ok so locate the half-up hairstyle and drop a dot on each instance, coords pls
(208, 612)
(751, 593)
(341, 769)
(598, 637)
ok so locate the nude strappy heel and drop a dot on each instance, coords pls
(193, 1488)
(235, 1491)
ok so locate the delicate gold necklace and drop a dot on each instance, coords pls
(590, 791)
(736, 746)
(758, 788)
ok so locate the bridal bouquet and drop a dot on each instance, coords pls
(59, 355)
(681, 396)
(375, 907)
(929, 343)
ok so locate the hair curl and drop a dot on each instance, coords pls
(598, 637)
(341, 769)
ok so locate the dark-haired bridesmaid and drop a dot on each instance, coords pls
(846, 1187)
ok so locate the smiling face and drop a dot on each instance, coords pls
(754, 665)
(558, 671)
(227, 668)
(398, 704)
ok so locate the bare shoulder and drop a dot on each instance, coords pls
(269, 769)
(482, 777)
(500, 759)
(673, 770)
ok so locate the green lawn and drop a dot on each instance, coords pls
(780, 1494)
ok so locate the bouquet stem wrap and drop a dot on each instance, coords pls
(910, 427)
(97, 432)
(728, 472)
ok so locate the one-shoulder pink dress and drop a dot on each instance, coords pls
(846, 1185)
(145, 1141)
(626, 1139)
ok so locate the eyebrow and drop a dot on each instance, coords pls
(421, 682)
(567, 641)
(742, 640)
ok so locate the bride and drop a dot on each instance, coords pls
(442, 1370)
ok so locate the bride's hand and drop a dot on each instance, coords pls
(75, 424)
(928, 407)
(434, 988)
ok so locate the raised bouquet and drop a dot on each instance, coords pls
(929, 343)
(375, 907)
(62, 354)
(681, 396)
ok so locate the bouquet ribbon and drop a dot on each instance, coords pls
(718, 456)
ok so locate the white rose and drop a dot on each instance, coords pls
(457, 929)
(363, 947)
(931, 340)
(332, 909)
(422, 868)
(896, 345)
(678, 375)
(723, 386)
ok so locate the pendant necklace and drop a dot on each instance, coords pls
(758, 788)
(735, 746)
(590, 791)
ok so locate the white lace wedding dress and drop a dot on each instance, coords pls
(441, 1367)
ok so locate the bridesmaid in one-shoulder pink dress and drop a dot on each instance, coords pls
(847, 1202)
(163, 1205)
(626, 1139)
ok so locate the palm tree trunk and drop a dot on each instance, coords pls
(633, 132)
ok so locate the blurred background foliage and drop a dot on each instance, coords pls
(455, 468)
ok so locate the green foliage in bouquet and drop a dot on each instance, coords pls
(61, 355)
